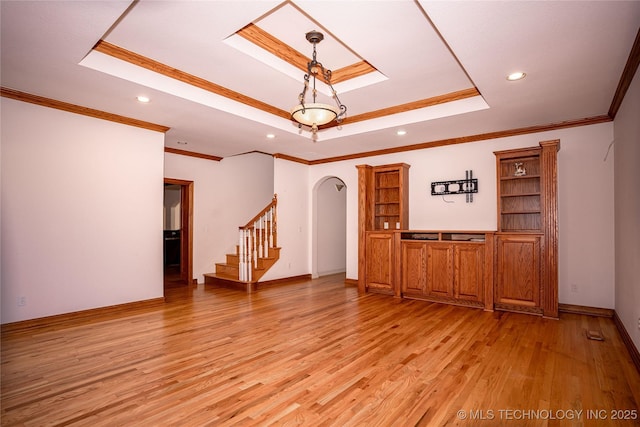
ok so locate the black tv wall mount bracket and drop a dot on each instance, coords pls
(467, 186)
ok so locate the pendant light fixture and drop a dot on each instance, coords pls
(316, 114)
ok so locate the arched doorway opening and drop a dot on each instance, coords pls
(329, 232)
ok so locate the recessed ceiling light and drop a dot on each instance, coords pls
(144, 99)
(516, 76)
(401, 132)
(270, 136)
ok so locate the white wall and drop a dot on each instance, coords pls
(330, 227)
(586, 218)
(291, 183)
(227, 194)
(585, 207)
(81, 212)
(627, 207)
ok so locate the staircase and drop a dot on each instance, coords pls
(256, 252)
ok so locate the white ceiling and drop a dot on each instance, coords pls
(573, 52)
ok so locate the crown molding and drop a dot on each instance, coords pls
(469, 138)
(160, 68)
(191, 154)
(77, 109)
(292, 159)
(279, 49)
(627, 76)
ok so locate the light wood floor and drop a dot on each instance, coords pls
(316, 354)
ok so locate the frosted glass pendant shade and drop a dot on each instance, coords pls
(314, 114)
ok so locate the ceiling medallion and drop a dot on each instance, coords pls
(316, 114)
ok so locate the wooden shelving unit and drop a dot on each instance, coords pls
(390, 202)
(519, 203)
(383, 206)
(526, 277)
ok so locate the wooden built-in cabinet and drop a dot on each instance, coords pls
(527, 237)
(380, 265)
(452, 267)
(383, 206)
(514, 268)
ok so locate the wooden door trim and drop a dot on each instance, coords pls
(186, 227)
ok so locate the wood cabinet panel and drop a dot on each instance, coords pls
(414, 268)
(518, 278)
(380, 263)
(527, 266)
(469, 272)
(440, 270)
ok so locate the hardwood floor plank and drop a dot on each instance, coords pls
(312, 353)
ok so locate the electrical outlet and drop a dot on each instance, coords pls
(574, 287)
(22, 301)
(638, 322)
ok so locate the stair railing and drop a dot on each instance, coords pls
(255, 239)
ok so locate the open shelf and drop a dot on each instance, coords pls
(507, 178)
(445, 236)
(520, 212)
(389, 197)
(519, 193)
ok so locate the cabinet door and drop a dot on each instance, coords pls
(518, 271)
(380, 262)
(414, 268)
(468, 260)
(440, 270)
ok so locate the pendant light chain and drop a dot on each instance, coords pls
(315, 114)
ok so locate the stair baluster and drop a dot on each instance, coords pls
(271, 227)
(264, 238)
(259, 234)
(250, 262)
(240, 255)
(254, 252)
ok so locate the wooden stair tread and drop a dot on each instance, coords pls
(226, 264)
(236, 266)
(230, 282)
(226, 277)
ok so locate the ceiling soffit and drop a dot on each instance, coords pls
(275, 39)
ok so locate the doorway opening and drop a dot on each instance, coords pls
(178, 233)
(329, 235)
